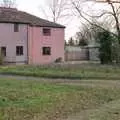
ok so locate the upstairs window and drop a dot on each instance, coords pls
(16, 27)
(46, 32)
(3, 51)
(19, 50)
(46, 50)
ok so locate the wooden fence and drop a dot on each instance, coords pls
(76, 54)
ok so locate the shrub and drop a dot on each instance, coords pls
(105, 41)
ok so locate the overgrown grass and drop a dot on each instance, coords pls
(35, 100)
(65, 71)
(109, 111)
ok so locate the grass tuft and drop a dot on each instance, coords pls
(65, 72)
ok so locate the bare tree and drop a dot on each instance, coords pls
(71, 41)
(111, 13)
(83, 36)
(56, 9)
(9, 3)
(115, 13)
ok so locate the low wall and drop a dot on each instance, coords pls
(76, 54)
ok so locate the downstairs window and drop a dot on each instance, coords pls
(19, 50)
(46, 50)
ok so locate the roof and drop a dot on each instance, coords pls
(12, 15)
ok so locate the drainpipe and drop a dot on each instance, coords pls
(27, 44)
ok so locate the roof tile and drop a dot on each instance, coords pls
(12, 15)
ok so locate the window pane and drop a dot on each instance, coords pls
(46, 32)
(3, 51)
(46, 51)
(16, 27)
(19, 50)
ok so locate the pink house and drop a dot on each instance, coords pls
(27, 39)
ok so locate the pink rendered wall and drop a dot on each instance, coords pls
(37, 41)
(11, 39)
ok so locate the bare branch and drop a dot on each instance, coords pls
(9, 3)
(84, 16)
(57, 9)
(99, 16)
